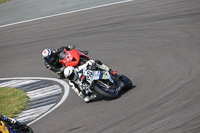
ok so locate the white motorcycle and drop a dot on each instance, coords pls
(96, 81)
(102, 83)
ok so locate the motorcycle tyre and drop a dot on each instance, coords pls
(127, 82)
(104, 93)
(30, 130)
(27, 130)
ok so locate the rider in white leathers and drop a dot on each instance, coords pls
(71, 73)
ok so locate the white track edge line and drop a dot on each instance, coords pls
(65, 93)
(40, 18)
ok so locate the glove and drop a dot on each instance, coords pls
(70, 47)
(13, 121)
(92, 66)
(54, 51)
(85, 52)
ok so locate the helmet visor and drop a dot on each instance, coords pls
(48, 59)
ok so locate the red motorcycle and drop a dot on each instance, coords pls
(73, 57)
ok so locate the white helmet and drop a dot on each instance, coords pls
(46, 54)
(70, 73)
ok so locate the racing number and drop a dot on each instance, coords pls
(89, 75)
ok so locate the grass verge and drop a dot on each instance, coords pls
(12, 101)
(1, 1)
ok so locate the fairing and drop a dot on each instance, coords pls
(70, 58)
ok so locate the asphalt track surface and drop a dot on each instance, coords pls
(154, 42)
(20, 10)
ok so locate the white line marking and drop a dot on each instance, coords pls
(43, 100)
(66, 13)
(22, 83)
(65, 92)
(42, 94)
(30, 112)
(42, 104)
(6, 84)
(45, 90)
(33, 113)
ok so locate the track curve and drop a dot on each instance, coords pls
(154, 42)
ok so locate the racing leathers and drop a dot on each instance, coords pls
(74, 80)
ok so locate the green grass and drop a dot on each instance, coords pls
(1, 1)
(12, 101)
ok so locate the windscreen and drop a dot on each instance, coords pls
(65, 56)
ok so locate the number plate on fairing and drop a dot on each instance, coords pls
(101, 75)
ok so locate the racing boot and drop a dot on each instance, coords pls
(89, 97)
(114, 73)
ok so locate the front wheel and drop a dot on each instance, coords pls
(127, 82)
(109, 93)
(26, 130)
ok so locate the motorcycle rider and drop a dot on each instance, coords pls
(70, 71)
(51, 58)
(13, 124)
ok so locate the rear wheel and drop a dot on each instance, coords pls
(109, 93)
